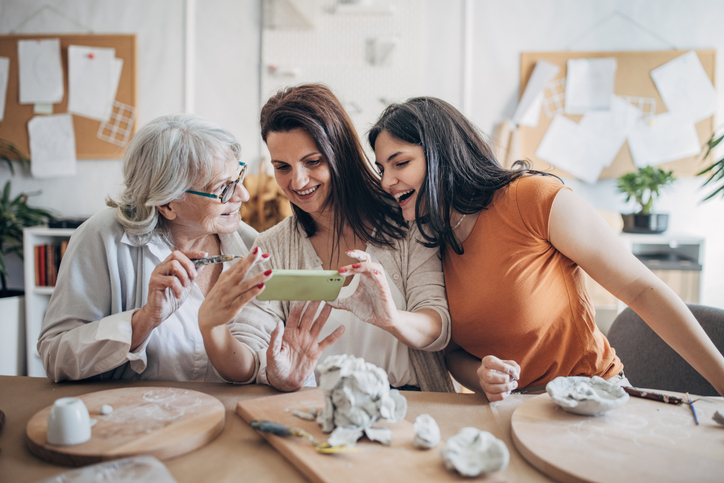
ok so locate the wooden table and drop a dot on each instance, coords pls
(238, 453)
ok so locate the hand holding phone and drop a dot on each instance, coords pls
(302, 285)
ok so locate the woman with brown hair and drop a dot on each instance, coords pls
(392, 310)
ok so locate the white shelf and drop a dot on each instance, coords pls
(37, 298)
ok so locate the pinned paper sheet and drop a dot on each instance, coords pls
(666, 137)
(40, 71)
(52, 146)
(607, 130)
(528, 110)
(93, 78)
(567, 146)
(4, 69)
(685, 88)
(589, 84)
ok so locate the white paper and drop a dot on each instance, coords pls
(4, 69)
(685, 88)
(607, 130)
(528, 110)
(566, 146)
(666, 137)
(589, 84)
(40, 71)
(93, 78)
(52, 146)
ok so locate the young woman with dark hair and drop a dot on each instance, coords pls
(514, 246)
(392, 308)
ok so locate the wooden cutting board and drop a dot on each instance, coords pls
(372, 462)
(164, 422)
(642, 440)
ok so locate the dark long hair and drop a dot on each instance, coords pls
(462, 172)
(359, 200)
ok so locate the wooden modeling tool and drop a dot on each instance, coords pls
(654, 396)
(284, 430)
(693, 411)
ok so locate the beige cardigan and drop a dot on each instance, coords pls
(415, 269)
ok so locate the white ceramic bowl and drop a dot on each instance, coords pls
(68, 422)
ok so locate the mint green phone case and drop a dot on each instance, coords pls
(302, 285)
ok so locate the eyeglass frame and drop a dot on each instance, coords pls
(229, 189)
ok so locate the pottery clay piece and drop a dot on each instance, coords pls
(356, 395)
(106, 409)
(589, 396)
(719, 417)
(427, 432)
(472, 452)
(381, 435)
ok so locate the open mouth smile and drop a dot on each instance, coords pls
(403, 196)
(307, 191)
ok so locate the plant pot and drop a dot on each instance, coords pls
(12, 333)
(639, 223)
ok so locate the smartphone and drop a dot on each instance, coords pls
(302, 285)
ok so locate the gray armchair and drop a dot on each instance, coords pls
(650, 363)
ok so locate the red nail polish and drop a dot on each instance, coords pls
(265, 255)
(376, 272)
(356, 265)
(256, 250)
(342, 270)
(261, 285)
(268, 272)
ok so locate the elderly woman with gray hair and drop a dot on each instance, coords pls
(129, 302)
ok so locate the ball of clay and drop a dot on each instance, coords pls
(427, 432)
(588, 396)
(105, 409)
(472, 452)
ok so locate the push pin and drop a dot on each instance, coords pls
(90, 56)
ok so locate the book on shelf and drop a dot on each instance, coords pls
(47, 263)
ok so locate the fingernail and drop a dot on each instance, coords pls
(268, 272)
(265, 255)
(256, 250)
(376, 272)
(514, 385)
(356, 265)
(349, 251)
(342, 270)
(261, 285)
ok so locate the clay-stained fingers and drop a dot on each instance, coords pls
(277, 335)
(331, 338)
(319, 322)
(307, 319)
(507, 367)
(360, 255)
(241, 268)
(295, 313)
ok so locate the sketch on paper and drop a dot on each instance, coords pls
(40, 71)
(52, 146)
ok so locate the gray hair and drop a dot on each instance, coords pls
(165, 158)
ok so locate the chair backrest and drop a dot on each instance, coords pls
(650, 363)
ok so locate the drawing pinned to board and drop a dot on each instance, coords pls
(554, 97)
(52, 146)
(685, 88)
(647, 105)
(589, 84)
(528, 110)
(40, 71)
(119, 128)
(93, 76)
(666, 137)
(4, 71)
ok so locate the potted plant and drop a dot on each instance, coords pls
(716, 170)
(644, 186)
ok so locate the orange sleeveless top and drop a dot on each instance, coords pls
(514, 296)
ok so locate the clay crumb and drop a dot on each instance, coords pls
(106, 409)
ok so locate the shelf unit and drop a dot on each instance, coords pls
(37, 298)
(673, 257)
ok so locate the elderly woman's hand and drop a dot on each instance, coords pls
(372, 301)
(168, 287)
(294, 351)
(232, 292)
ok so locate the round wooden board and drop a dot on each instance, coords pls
(641, 441)
(164, 422)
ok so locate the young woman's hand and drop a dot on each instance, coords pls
(497, 377)
(372, 301)
(294, 351)
(232, 291)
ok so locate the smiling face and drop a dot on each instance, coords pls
(403, 170)
(197, 216)
(300, 169)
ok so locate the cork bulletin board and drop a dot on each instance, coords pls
(632, 79)
(88, 146)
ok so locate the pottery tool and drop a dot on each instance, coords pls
(645, 438)
(200, 262)
(284, 430)
(654, 396)
(693, 411)
(164, 422)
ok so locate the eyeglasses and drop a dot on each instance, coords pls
(228, 190)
